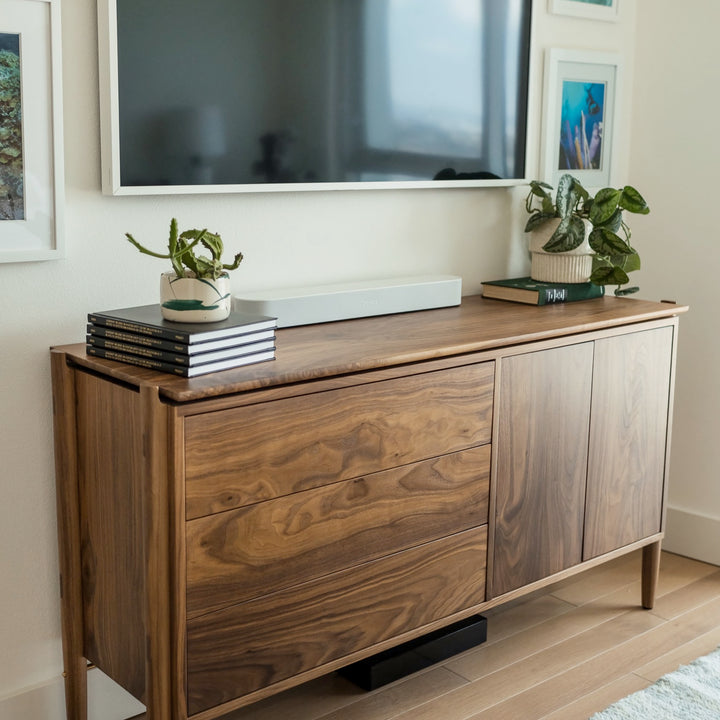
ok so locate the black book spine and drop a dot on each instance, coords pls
(192, 351)
(139, 328)
(194, 360)
(100, 331)
(146, 352)
(145, 362)
(152, 364)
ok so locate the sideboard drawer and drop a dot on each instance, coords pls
(248, 454)
(255, 550)
(235, 651)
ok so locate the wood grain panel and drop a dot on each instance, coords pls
(240, 554)
(110, 469)
(235, 651)
(312, 352)
(156, 502)
(626, 470)
(178, 565)
(69, 538)
(542, 442)
(366, 411)
(249, 454)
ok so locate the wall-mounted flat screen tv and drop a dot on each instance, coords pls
(231, 95)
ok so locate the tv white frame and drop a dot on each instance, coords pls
(110, 131)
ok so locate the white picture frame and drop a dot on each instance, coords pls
(591, 9)
(587, 9)
(580, 115)
(37, 234)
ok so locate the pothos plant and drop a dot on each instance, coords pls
(609, 239)
(183, 255)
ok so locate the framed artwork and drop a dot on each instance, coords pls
(31, 149)
(580, 115)
(594, 9)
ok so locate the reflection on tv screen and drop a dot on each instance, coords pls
(321, 91)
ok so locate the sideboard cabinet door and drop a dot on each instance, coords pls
(628, 437)
(542, 446)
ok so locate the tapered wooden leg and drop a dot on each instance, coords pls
(68, 514)
(75, 688)
(650, 572)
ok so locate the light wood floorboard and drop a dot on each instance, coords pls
(562, 653)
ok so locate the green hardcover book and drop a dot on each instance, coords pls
(532, 292)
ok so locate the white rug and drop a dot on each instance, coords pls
(692, 692)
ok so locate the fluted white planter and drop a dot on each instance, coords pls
(194, 300)
(573, 266)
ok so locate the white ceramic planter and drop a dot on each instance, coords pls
(194, 300)
(573, 266)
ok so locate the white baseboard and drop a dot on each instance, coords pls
(46, 701)
(692, 535)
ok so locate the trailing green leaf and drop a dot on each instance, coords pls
(538, 190)
(536, 220)
(613, 223)
(569, 235)
(606, 242)
(626, 291)
(566, 197)
(605, 205)
(631, 262)
(632, 201)
(609, 275)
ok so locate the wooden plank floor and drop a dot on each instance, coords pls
(560, 654)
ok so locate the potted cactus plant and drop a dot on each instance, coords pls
(586, 235)
(197, 289)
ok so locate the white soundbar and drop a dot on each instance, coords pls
(327, 303)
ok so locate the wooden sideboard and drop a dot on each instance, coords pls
(227, 537)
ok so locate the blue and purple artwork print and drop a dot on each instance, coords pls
(581, 125)
(12, 204)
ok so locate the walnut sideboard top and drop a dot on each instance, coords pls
(313, 352)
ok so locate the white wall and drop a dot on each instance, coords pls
(288, 239)
(674, 162)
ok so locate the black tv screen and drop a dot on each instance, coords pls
(266, 92)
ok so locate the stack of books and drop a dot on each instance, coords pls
(140, 336)
(533, 292)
